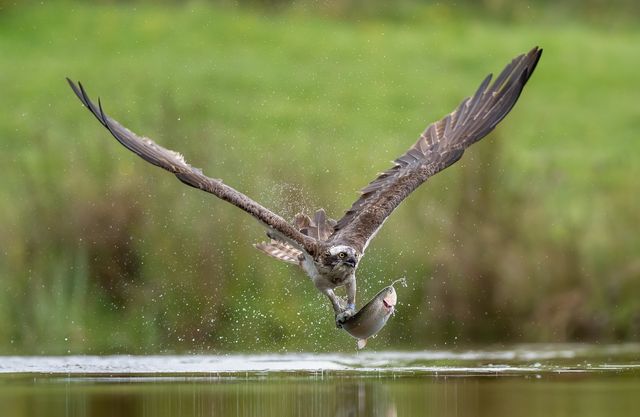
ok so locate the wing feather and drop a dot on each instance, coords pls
(175, 163)
(440, 145)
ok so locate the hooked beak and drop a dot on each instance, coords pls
(350, 261)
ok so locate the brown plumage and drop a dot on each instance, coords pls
(441, 144)
(319, 228)
(175, 163)
(280, 250)
(329, 251)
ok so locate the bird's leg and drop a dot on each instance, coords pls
(335, 301)
(350, 287)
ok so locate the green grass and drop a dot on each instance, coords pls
(533, 236)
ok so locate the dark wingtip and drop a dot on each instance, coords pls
(538, 53)
(98, 112)
(102, 115)
(85, 96)
(75, 89)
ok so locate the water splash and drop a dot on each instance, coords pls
(520, 360)
(402, 281)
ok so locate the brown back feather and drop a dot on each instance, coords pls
(441, 144)
(175, 163)
(319, 228)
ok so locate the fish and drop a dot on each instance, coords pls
(371, 318)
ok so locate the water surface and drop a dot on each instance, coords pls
(572, 380)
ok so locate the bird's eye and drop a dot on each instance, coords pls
(342, 255)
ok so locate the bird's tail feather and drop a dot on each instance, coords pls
(280, 250)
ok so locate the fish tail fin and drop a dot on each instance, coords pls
(362, 343)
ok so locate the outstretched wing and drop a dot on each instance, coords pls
(441, 144)
(175, 163)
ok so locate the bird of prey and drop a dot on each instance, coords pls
(327, 250)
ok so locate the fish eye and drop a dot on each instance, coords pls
(342, 255)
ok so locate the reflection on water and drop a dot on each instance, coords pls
(486, 383)
(577, 395)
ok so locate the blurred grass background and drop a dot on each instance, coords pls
(533, 236)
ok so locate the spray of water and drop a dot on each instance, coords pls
(402, 280)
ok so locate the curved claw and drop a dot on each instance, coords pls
(344, 316)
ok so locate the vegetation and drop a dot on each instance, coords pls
(531, 237)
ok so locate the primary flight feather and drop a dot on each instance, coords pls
(329, 251)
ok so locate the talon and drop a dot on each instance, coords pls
(344, 316)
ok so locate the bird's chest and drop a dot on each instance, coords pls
(338, 276)
(325, 277)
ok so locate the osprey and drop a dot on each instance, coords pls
(327, 250)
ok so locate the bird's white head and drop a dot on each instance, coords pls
(341, 256)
